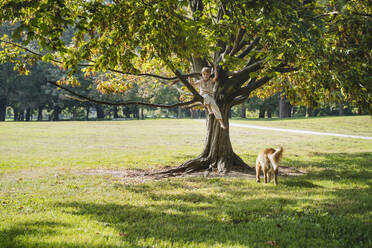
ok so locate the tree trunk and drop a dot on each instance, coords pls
(192, 113)
(40, 113)
(341, 109)
(289, 109)
(262, 112)
(3, 103)
(269, 114)
(243, 111)
(142, 116)
(218, 153)
(136, 112)
(115, 111)
(179, 112)
(309, 111)
(294, 110)
(56, 113)
(360, 111)
(315, 112)
(28, 114)
(87, 113)
(21, 115)
(16, 114)
(126, 112)
(285, 107)
(100, 113)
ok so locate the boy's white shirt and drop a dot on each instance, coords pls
(205, 87)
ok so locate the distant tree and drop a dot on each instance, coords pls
(268, 105)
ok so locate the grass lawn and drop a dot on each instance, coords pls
(47, 201)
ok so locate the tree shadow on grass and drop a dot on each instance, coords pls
(225, 222)
(300, 183)
(248, 216)
(352, 171)
(338, 165)
(10, 237)
(238, 214)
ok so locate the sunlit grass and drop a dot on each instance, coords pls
(45, 200)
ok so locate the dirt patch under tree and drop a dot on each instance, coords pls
(134, 176)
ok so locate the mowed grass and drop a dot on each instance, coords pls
(47, 201)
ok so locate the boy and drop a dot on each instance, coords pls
(206, 91)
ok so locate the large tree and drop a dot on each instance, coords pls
(252, 43)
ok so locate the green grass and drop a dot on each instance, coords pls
(45, 200)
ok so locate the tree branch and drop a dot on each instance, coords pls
(177, 88)
(83, 98)
(238, 43)
(197, 96)
(35, 53)
(239, 100)
(244, 73)
(254, 84)
(110, 69)
(282, 69)
(249, 48)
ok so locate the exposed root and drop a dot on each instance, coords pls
(234, 163)
(136, 176)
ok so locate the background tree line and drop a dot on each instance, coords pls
(25, 98)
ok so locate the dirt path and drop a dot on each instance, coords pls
(299, 131)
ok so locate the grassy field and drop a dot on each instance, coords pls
(47, 199)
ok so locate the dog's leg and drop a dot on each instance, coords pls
(275, 167)
(270, 174)
(265, 171)
(276, 176)
(258, 171)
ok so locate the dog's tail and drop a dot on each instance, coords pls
(278, 154)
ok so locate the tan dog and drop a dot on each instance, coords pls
(268, 160)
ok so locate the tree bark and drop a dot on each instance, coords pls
(3, 103)
(218, 153)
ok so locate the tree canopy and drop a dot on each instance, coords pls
(253, 41)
